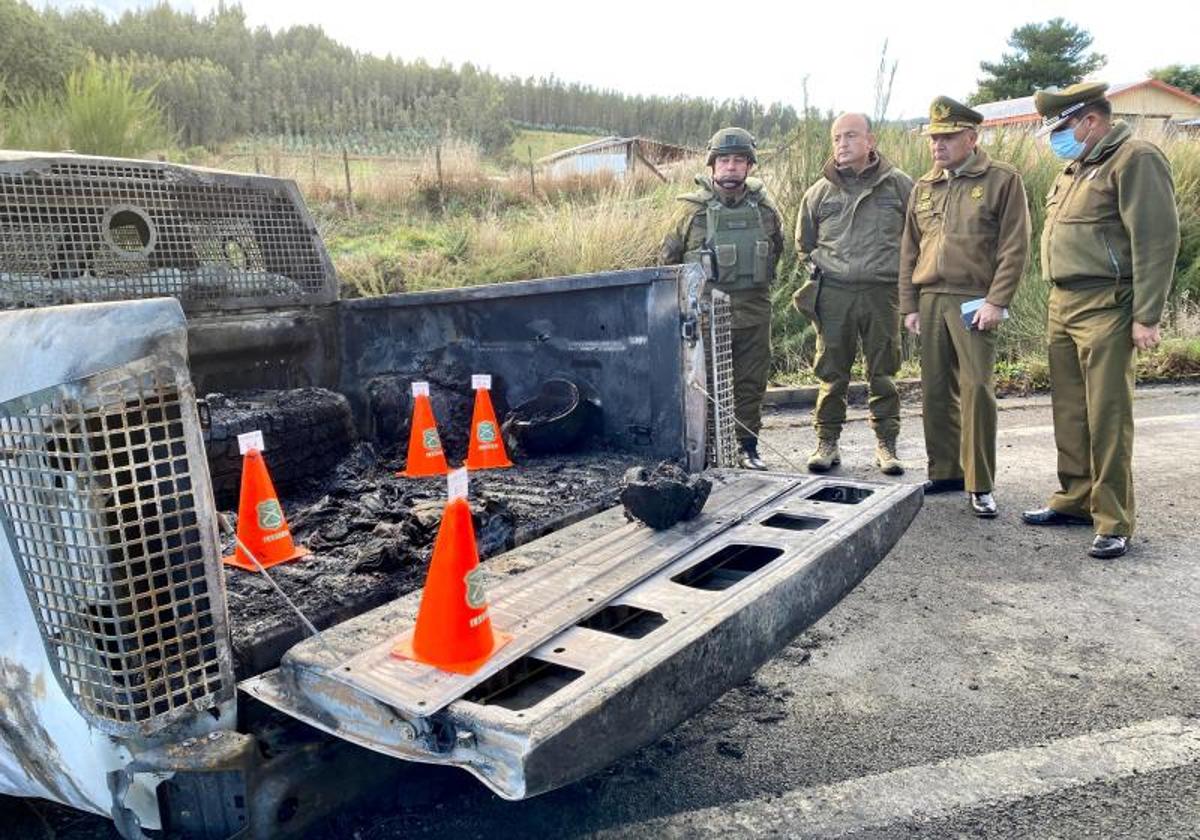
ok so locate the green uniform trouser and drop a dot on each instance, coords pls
(846, 314)
(958, 393)
(751, 367)
(1092, 363)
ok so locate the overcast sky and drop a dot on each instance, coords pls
(722, 49)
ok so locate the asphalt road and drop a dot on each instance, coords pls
(986, 680)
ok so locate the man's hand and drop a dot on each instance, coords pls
(987, 317)
(912, 323)
(1146, 338)
(671, 252)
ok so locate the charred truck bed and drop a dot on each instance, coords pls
(372, 533)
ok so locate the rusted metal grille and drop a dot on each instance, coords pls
(100, 507)
(718, 344)
(79, 230)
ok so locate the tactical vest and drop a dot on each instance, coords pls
(737, 239)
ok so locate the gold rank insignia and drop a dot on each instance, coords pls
(977, 192)
(939, 111)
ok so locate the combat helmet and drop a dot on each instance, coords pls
(732, 141)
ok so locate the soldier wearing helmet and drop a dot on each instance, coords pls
(730, 219)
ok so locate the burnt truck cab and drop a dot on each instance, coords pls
(129, 287)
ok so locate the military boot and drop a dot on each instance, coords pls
(825, 457)
(750, 459)
(886, 458)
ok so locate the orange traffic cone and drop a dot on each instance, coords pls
(262, 527)
(486, 450)
(425, 455)
(454, 631)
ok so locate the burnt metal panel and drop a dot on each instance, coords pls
(722, 450)
(548, 600)
(283, 348)
(595, 694)
(106, 510)
(78, 229)
(618, 334)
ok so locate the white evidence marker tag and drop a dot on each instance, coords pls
(250, 440)
(456, 483)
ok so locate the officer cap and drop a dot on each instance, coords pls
(1058, 106)
(732, 141)
(947, 116)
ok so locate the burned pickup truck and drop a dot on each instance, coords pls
(142, 680)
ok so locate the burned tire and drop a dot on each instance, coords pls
(306, 432)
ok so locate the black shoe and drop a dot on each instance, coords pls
(1107, 546)
(983, 505)
(749, 459)
(944, 485)
(1050, 516)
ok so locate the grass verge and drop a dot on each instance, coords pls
(1175, 360)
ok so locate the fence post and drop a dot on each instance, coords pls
(437, 156)
(532, 182)
(349, 193)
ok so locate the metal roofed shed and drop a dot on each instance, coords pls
(621, 156)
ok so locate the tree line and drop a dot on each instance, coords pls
(215, 79)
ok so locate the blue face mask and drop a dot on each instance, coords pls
(1064, 144)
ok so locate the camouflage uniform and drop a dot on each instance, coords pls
(747, 245)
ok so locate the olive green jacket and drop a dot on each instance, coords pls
(849, 225)
(967, 234)
(750, 307)
(1111, 218)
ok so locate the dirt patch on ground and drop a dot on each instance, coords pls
(371, 534)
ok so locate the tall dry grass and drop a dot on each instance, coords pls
(579, 231)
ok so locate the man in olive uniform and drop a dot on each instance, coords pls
(1108, 250)
(731, 218)
(964, 249)
(848, 242)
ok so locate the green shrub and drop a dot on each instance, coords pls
(100, 112)
(1175, 358)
